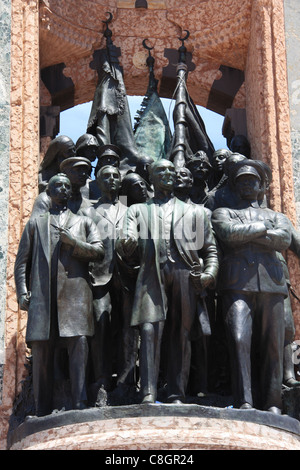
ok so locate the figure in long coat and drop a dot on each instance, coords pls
(53, 284)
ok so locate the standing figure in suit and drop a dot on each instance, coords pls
(178, 261)
(199, 337)
(53, 284)
(107, 213)
(253, 288)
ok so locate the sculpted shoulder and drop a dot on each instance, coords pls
(140, 207)
(83, 218)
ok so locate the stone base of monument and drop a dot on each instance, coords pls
(158, 427)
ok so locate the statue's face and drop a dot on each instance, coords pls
(59, 190)
(78, 174)
(248, 186)
(138, 190)
(184, 178)
(219, 160)
(200, 168)
(163, 176)
(109, 180)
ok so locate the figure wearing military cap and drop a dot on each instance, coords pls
(253, 287)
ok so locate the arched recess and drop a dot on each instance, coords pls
(217, 49)
(237, 66)
(237, 54)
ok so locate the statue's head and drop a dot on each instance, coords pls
(199, 165)
(87, 146)
(109, 179)
(109, 154)
(219, 158)
(77, 170)
(162, 175)
(59, 189)
(184, 179)
(59, 149)
(249, 178)
(134, 187)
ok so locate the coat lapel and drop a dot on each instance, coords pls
(180, 208)
(113, 217)
(152, 221)
(71, 220)
(182, 228)
(120, 211)
(43, 226)
(151, 216)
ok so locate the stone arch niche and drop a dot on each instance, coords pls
(238, 51)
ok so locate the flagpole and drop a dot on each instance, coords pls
(179, 148)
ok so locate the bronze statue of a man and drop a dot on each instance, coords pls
(107, 213)
(253, 287)
(52, 283)
(174, 240)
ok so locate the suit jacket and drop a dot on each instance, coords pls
(193, 238)
(109, 219)
(74, 296)
(248, 265)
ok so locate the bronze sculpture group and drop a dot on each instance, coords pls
(119, 286)
(131, 270)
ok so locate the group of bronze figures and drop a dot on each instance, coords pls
(145, 273)
(134, 284)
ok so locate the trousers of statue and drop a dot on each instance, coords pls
(255, 329)
(175, 356)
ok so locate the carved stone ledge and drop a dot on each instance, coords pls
(157, 426)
